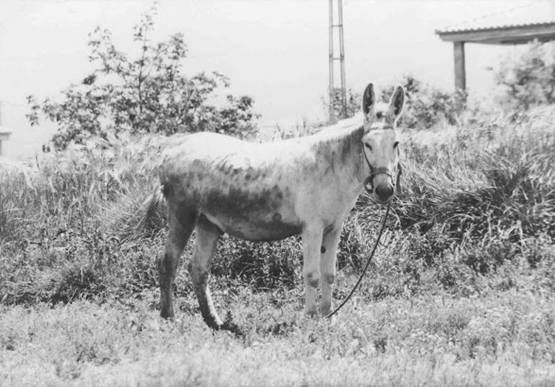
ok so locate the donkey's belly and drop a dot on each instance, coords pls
(256, 228)
(252, 210)
(255, 220)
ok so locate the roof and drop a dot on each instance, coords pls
(521, 24)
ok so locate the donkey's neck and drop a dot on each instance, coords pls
(339, 152)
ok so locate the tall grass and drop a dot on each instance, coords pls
(476, 209)
(63, 219)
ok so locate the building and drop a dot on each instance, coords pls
(524, 24)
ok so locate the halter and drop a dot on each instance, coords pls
(368, 182)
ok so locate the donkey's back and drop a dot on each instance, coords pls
(243, 188)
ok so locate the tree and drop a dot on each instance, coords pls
(529, 79)
(146, 94)
(353, 100)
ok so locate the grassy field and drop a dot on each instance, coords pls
(498, 339)
(460, 293)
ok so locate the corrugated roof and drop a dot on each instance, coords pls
(536, 13)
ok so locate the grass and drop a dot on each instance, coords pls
(498, 339)
(460, 293)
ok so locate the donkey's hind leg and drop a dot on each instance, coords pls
(199, 268)
(181, 224)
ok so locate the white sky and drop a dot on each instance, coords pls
(275, 51)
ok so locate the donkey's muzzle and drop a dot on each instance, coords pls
(384, 192)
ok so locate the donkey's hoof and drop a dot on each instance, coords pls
(229, 325)
(233, 328)
(311, 312)
(325, 309)
(167, 314)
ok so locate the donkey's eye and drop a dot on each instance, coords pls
(379, 115)
(395, 144)
(368, 146)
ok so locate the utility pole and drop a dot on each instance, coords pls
(332, 58)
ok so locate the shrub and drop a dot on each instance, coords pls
(529, 79)
(506, 187)
(353, 104)
(264, 266)
(426, 106)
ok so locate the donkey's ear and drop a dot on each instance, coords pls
(397, 102)
(368, 102)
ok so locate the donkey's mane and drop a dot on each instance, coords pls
(340, 140)
(341, 129)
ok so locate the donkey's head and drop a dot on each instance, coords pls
(380, 143)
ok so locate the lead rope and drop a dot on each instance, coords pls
(384, 219)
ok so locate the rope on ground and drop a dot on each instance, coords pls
(366, 266)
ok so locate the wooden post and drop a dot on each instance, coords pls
(460, 72)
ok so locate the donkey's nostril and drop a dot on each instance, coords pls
(384, 191)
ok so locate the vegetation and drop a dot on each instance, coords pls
(149, 93)
(425, 106)
(494, 340)
(353, 100)
(529, 79)
(461, 292)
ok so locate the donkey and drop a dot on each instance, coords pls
(217, 184)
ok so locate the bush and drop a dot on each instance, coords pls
(529, 79)
(475, 190)
(353, 101)
(426, 106)
(264, 266)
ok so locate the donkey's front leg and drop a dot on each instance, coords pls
(327, 266)
(312, 238)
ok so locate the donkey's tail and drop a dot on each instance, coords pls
(153, 217)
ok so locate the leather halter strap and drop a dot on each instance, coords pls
(381, 171)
